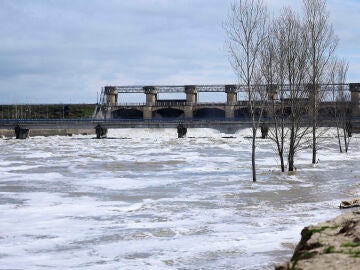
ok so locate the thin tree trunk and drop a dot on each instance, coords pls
(278, 141)
(314, 120)
(314, 142)
(346, 140)
(253, 164)
(291, 161)
(339, 140)
(247, 31)
(282, 162)
(292, 148)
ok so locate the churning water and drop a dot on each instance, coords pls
(144, 199)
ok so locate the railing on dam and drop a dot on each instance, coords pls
(327, 87)
(179, 104)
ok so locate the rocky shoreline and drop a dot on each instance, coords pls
(334, 244)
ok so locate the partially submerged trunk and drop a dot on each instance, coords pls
(291, 155)
(253, 153)
(314, 140)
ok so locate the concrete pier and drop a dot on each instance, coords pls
(191, 100)
(181, 130)
(147, 113)
(272, 92)
(151, 98)
(313, 97)
(355, 99)
(151, 95)
(191, 94)
(111, 94)
(264, 128)
(231, 100)
(355, 106)
(21, 133)
(101, 132)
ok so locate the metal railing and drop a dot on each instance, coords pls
(214, 88)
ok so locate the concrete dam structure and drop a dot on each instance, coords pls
(189, 112)
(191, 108)
(155, 108)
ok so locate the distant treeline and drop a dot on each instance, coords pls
(46, 111)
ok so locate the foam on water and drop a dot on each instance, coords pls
(144, 199)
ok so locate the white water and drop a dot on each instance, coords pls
(144, 199)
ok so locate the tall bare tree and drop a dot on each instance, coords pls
(341, 98)
(273, 71)
(284, 67)
(247, 30)
(296, 66)
(322, 45)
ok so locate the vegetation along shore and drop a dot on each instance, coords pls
(334, 244)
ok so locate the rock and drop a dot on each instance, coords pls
(334, 244)
(350, 204)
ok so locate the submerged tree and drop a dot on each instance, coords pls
(293, 57)
(246, 30)
(295, 73)
(322, 43)
(284, 68)
(341, 98)
(272, 67)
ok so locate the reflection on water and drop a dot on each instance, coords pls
(152, 201)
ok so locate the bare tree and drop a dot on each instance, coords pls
(321, 47)
(341, 99)
(284, 67)
(246, 31)
(294, 46)
(273, 71)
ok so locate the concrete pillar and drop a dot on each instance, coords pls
(191, 100)
(355, 106)
(181, 130)
(151, 95)
(271, 91)
(21, 133)
(147, 113)
(188, 112)
(100, 132)
(111, 94)
(355, 99)
(107, 112)
(231, 100)
(311, 96)
(229, 111)
(191, 94)
(231, 94)
(151, 98)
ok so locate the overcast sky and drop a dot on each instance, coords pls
(60, 51)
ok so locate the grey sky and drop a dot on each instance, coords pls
(56, 51)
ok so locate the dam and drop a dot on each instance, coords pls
(190, 112)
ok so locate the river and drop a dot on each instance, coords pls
(143, 199)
